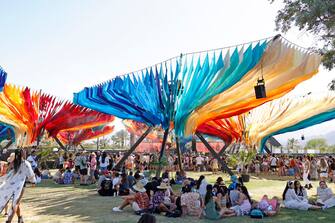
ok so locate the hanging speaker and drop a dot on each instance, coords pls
(260, 91)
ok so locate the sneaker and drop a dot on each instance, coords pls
(117, 209)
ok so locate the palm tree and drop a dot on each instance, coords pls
(292, 144)
(331, 85)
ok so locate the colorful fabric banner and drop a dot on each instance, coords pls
(3, 77)
(6, 132)
(193, 89)
(78, 136)
(283, 67)
(32, 113)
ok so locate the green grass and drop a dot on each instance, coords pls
(49, 202)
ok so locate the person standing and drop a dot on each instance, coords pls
(323, 170)
(12, 184)
(32, 159)
(83, 169)
(306, 165)
(93, 167)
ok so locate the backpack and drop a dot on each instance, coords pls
(256, 213)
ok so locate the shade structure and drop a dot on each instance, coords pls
(289, 114)
(282, 115)
(138, 129)
(75, 137)
(196, 88)
(230, 130)
(3, 77)
(6, 132)
(283, 67)
(170, 91)
(31, 113)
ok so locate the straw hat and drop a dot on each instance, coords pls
(11, 158)
(139, 187)
(163, 186)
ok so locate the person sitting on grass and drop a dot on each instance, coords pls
(58, 177)
(157, 200)
(243, 205)
(68, 176)
(124, 185)
(221, 192)
(104, 176)
(269, 207)
(138, 201)
(190, 201)
(210, 211)
(38, 175)
(300, 191)
(325, 196)
(292, 201)
(46, 174)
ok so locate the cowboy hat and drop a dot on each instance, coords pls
(139, 187)
(11, 158)
(163, 186)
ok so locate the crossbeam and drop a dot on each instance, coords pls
(216, 155)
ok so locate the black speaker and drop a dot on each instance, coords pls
(260, 91)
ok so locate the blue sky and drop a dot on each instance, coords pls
(62, 46)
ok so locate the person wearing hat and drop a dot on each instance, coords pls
(158, 199)
(221, 192)
(292, 201)
(138, 201)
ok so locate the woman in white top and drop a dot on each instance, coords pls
(300, 191)
(11, 185)
(292, 201)
(306, 168)
(325, 195)
(323, 170)
(201, 186)
(104, 161)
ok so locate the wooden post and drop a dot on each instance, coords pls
(180, 163)
(212, 151)
(132, 148)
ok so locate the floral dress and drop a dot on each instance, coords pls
(11, 185)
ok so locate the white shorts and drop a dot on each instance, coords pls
(135, 206)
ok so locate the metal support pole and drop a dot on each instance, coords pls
(212, 151)
(194, 144)
(166, 133)
(267, 149)
(180, 163)
(59, 143)
(223, 149)
(81, 146)
(132, 148)
(8, 144)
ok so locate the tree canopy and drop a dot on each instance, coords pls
(314, 16)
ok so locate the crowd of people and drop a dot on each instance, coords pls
(196, 197)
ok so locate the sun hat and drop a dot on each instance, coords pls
(163, 186)
(139, 187)
(11, 158)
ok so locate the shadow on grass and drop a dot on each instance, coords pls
(61, 203)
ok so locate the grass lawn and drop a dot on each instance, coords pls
(49, 202)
